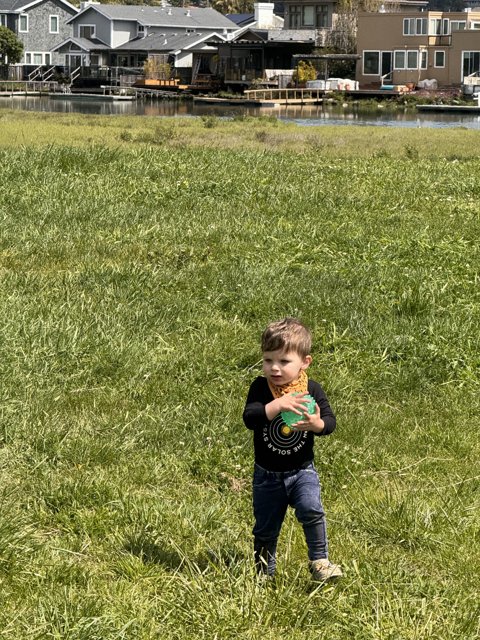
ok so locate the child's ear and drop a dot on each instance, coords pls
(307, 362)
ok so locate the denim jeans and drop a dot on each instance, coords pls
(273, 492)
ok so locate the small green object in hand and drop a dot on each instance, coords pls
(290, 417)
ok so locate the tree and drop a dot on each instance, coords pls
(11, 49)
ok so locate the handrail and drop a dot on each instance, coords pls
(48, 73)
(36, 72)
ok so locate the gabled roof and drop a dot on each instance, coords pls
(157, 16)
(85, 44)
(166, 42)
(19, 6)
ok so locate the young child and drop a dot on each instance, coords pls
(284, 473)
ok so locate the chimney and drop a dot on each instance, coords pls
(264, 14)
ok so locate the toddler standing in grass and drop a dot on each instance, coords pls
(284, 473)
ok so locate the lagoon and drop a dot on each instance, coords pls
(306, 115)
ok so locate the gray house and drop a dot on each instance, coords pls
(40, 25)
(125, 35)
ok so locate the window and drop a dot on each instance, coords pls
(408, 59)
(86, 31)
(3, 19)
(295, 16)
(23, 23)
(439, 59)
(323, 21)
(475, 25)
(308, 16)
(414, 26)
(435, 27)
(423, 59)
(409, 26)
(421, 26)
(371, 63)
(412, 59)
(53, 24)
(37, 58)
(399, 59)
(457, 25)
(471, 62)
(141, 31)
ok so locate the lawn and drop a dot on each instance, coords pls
(140, 259)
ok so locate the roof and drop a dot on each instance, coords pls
(166, 42)
(157, 16)
(16, 6)
(84, 43)
(241, 19)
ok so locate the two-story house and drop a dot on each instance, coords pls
(415, 47)
(109, 35)
(40, 25)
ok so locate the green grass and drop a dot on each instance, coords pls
(136, 275)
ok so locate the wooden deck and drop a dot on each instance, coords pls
(292, 96)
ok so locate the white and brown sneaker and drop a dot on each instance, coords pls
(323, 570)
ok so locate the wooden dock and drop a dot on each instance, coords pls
(292, 96)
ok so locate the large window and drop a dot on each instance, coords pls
(457, 25)
(295, 16)
(86, 31)
(54, 24)
(323, 21)
(414, 26)
(439, 59)
(3, 19)
(37, 58)
(308, 16)
(23, 23)
(406, 59)
(371, 63)
(471, 62)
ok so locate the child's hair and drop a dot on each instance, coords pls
(288, 334)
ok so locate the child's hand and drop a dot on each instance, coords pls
(310, 422)
(288, 402)
(294, 402)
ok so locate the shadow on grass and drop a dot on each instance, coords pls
(152, 553)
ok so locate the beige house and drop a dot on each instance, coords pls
(416, 46)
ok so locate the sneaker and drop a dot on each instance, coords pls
(323, 570)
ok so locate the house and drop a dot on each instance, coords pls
(263, 49)
(124, 36)
(412, 48)
(40, 25)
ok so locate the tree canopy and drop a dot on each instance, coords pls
(11, 49)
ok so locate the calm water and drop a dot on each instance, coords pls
(303, 115)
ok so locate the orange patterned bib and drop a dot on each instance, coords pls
(300, 385)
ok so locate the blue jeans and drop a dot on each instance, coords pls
(273, 492)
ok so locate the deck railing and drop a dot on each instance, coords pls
(286, 96)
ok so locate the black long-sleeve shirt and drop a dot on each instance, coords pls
(276, 450)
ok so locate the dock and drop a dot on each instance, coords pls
(449, 108)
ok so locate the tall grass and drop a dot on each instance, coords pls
(135, 279)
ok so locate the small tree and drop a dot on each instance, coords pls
(304, 72)
(11, 49)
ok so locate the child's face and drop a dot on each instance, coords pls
(282, 367)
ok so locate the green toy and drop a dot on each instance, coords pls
(290, 418)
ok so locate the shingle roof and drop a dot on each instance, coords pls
(16, 5)
(85, 44)
(150, 16)
(162, 42)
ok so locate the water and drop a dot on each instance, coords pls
(302, 115)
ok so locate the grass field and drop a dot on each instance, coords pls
(139, 262)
